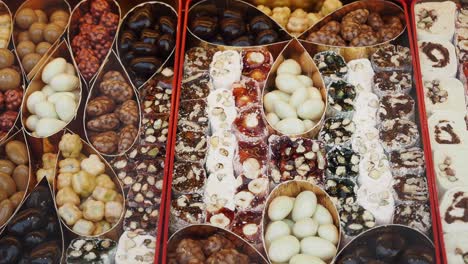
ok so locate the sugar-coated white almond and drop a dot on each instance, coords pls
(284, 248)
(289, 66)
(305, 227)
(276, 230)
(284, 110)
(66, 107)
(31, 122)
(322, 215)
(64, 82)
(298, 97)
(314, 93)
(306, 80)
(70, 69)
(33, 99)
(329, 232)
(53, 68)
(280, 207)
(45, 109)
(304, 206)
(269, 101)
(272, 118)
(308, 124)
(282, 95)
(311, 109)
(47, 90)
(59, 95)
(48, 126)
(289, 222)
(305, 259)
(288, 83)
(318, 247)
(290, 126)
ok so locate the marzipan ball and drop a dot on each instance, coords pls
(30, 60)
(25, 18)
(9, 79)
(36, 32)
(6, 58)
(42, 47)
(25, 47)
(59, 15)
(41, 16)
(23, 36)
(52, 32)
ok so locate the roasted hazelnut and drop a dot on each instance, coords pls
(41, 16)
(52, 32)
(23, 36)
(9, 79)
(25, 18)
(36, 32)
(6, 58)
(59, 15)
(30, 61)
(42, 47)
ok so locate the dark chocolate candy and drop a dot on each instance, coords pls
(126, 40)
(266, 37)
(27, 220)
(149, 36)
(259, 24)
(40, 198)
(141, 18)
(204, 27)
(49, 253)
(243, 41)
(165, 45)
(232, 28)
(167, 25)
(10, 250)
(34, 238)
(144, 49)
(145, 66)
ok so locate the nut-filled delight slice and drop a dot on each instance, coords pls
(112, 112)
(146, 40)
(96, 250)
(435, 21)
(92, 31)
(53, 96)
(34, 234)
(89, 197)
(37, 29)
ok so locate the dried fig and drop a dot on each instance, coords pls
(99, 106)
(104, 123)
(128, 112)
(106, 142)
(127, 137)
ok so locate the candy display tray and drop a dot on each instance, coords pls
(406, 39)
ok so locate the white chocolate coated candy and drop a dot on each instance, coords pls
(64, 82)
(322, 215)
(312, 109)
(306, 80)
(272, 118)
(33, 99)
(66, 108)
(314, 93)
(318, 247)
(276, 230)
(288, 83)
(45, 109)
(329, 232)
(290, 126)
(298, 97)
(305, 259)
(284, 248)
(284, 110)
(53, 68)
(289, 66)
(280, 207)
(269, 101)
(48, 126)
(304, 206)
(31, 122)
(305, 227)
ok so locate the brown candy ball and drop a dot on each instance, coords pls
(59, 15)
(30, 60)
(42, 47)
(6, 58)
(9, 79)
(25, 18)
(52, 32)
(36, 32)
(41, 16)
(25, 47)
(23, 36)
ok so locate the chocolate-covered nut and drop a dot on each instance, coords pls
(127, 137)
(36, 32)
(49, 252)
(218, 40)
(106, 142)
(34, 238)
(40, 198)
(52, 32)
(128, 112)
(26, 221)
(149, 36)
(266, 37)
(126, 40)
(6, 58)
(165, 45)
(167, 25)
(104, 123)
(232, 13)
(260, 23)
(145, 66)
(129, 56)
(243, 41)
(9, 79)
(30, 61)
(116, 90)
(144, 49)
(204, 27)
(25, 18)
(388, 246)
(232, 28)
(10, 250)
(100, 105)
(52, 227)
(141, 18)
(42, 47)
(25, 47)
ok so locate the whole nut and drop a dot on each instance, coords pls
(100, 105)
(128, 112)
(117, 90)
(104, 123)
(106, 142)
(127, 137)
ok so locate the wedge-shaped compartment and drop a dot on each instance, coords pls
(34, 234)
(233, 23)
(38, 28)
(6, 25)
(300, 223)
(53, 96)
(44, 155)
(358, 28)
(92, 32)
(210, 243)
(12, 86)
(88, 196)
(146, 39)
(16, 179)
(294, 97)
(112, 112)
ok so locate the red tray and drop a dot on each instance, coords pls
(436, 228)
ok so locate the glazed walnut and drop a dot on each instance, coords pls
(110, 21)
(99, 106)
(127, 137)
(113, 76)
(106, 142)
(332, 26)
(365, 39)
(104, 123)
(13, 99)
(117, 90)
(7, 120)
(88, 63)
(359, 16)
(190, 251)
(128, 112)
(98, 7)
(350, 30)
(375, 21)
(215, 243)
